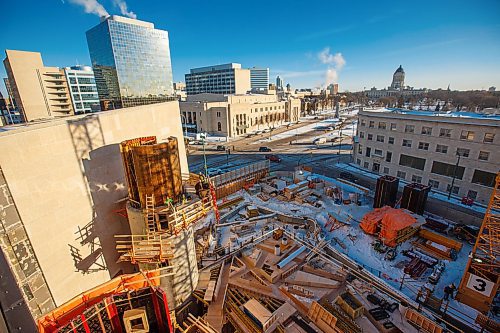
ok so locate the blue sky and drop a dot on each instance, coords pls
(437, 42)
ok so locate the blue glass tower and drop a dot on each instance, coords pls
(131, 62)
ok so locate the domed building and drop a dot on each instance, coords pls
(398, 79)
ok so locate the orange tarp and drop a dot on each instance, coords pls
(371, 220)
(393, 221)
(58, 317)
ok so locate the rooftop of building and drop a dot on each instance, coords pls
(128, 20)
(213, 68)
(447, 114)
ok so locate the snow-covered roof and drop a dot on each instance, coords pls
(451, 114)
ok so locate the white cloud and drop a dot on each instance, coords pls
(91, 7)
(331, 59)
(122, 5)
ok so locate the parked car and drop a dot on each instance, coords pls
(221, 148)
(264, 149)
(258, 132)
(330, 128)
(319, 141)
(267, 130)
(273, 158)
(347, 176)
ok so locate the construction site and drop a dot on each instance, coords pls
(257, 251)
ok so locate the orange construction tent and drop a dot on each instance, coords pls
(395, 220)
(372, 220)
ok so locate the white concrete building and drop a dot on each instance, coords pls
(235, 115)
(424, 147)
(83, 89)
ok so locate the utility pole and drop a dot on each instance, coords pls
(204, 155)
(340, 135)
(454, 176)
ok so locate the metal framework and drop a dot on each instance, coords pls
(481, 279)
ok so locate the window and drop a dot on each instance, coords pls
(219, 126)
(416, 179)
(218, 114)
(445, 133)
(360, 149)
(406, 143)
(361, 135)
(484, 155)
(370, 136)
(489, 137)
(381, 125)
(368, 151)
(401, 174)
(378, 152)
(433, 183)
(386, 170)
(372, 124)
(454, 190)
(441, 149)
(426, 130)
(412, 162)
(74, 89)
(423, 145)
(463, 152)
(391, 140)
(72, 80)
(467, 135)
(483, 178)
(388, 156)
(358, 161)
(363, 122)
(393, 127)
(366, 165)
(472, 194)
(380, 138)
(409, 129)
(448, 170)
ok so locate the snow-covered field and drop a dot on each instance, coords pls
(358, 245)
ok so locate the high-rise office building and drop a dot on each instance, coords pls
(40, 92)
(83, 89)
(279, 83)
(219, 79)
(131, 62)
(259, 78)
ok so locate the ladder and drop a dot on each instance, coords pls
(150, 213)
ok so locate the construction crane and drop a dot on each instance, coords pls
(481, 279)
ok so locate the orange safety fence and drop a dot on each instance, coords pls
(53, 320)
(394, 220)
(371, 220)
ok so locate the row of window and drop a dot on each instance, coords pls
(417, 179)
(443, 149)
(426, 130)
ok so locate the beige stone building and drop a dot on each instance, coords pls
(424, 147)
(40, 92)
(236, 115)
(61, 192)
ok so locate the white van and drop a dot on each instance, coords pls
(319, 141)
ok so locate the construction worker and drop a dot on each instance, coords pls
(448, 291)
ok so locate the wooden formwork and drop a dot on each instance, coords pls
(152, 169)
(422, 322)
(233, 181)
(155, 248)
(183, 217)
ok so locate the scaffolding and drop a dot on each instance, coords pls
(151, 248)
(481, 279)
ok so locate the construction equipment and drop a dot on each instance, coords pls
(481, 279)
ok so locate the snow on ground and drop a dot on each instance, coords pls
(358, 245)
(294, 132)
(351, 167)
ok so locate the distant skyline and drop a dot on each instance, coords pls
(358, 44)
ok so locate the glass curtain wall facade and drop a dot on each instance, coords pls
(131, 62)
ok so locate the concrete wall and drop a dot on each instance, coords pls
(65, 177)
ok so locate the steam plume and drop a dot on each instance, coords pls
(122, 5)
(335, 64)
(91, 7)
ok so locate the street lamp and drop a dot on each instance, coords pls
(454, 175)
(185, 125)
